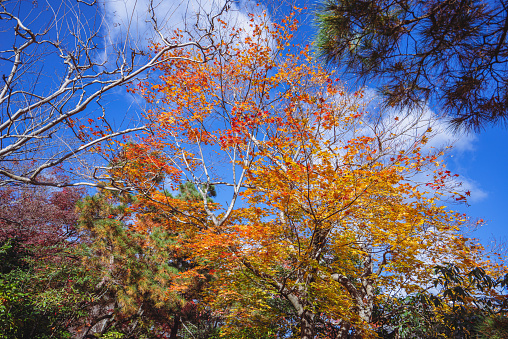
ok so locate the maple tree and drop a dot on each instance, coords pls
(342, 209)
(38, 215)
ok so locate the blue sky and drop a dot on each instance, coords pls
(487, 164)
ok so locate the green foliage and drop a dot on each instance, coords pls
(12, 256)
(493, 327)
(140, 260)
(41, 298)
(464, 305)
(453, 52)
(189, 192)
(112, 335)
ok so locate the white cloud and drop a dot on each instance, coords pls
(411, 125)
(471, 186)
(417, 121)
(136, 20)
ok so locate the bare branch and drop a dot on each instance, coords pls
(55, 81)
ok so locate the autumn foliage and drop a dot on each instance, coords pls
(263, 201)
(331, 210)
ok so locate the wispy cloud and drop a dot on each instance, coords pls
(138, 20)
(414, 123)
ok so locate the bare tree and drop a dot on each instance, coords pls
(58, 64)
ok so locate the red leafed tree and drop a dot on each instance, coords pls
(39, 216)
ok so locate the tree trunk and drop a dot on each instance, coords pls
(343, 331)
(307, 325)
(175, 327)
